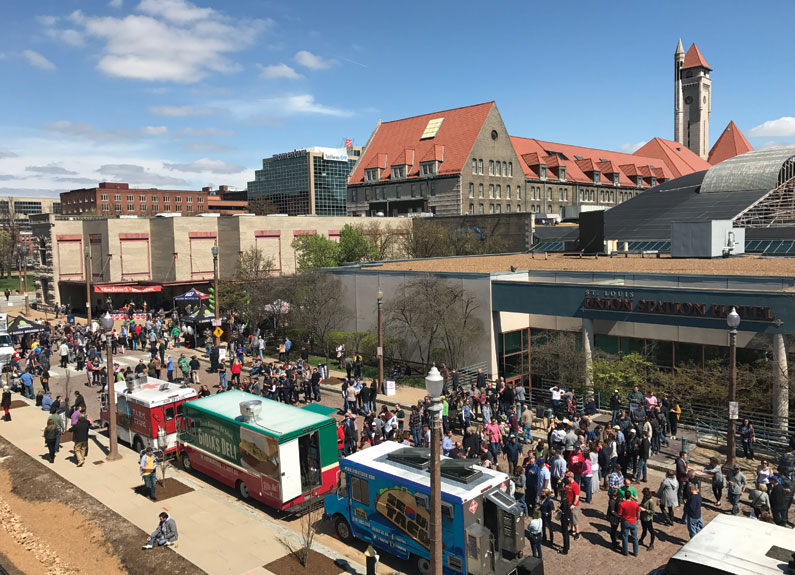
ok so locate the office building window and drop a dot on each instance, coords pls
(189, 199)
(480, 190)
(130, 207)
(491, 191)
(615, 179)
(105, 208)
(155, 208)
(543, 172)
(165, 198)
(562, 173)
(141, 198)
(153, 198)
(499, 169)
(510, 169)
(505, 168)
(507, 192)
(190, 208)
(474, 166)
(116, 207)
(117, 197)
(549, 193)
(518, 193)
(499, 191)
(518, 207)
(166, 208)
(491, 167)
(200, 199)
(130, 198)
(104, 197)
(480, 167)
(471, 190)
(178, 199)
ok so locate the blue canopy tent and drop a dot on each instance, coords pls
(192, 295)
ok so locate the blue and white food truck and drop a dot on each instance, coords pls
(384, 499)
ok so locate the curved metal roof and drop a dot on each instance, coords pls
(752, 171)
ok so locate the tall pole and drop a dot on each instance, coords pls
(215, 284)
(113, 445)
(731, 434)
(380, 299)
(27, 300)
(89, 273)
(434, 384)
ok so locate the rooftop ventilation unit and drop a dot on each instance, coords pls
(706, 239)
(250, 409)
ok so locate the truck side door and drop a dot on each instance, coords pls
(290, 463)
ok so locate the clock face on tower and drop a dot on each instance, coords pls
(689, 100)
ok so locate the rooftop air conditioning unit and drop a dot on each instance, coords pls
(250, 409)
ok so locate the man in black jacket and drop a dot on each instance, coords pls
(80, 436)
(351, 434)
(643, 456)
(615, 407)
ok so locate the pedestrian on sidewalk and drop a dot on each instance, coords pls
(148, 472)
(6, 403)
(735, 479)
(614, 518)
(51, 434)
(748, 438)
(718, 481)
(80, 437)
(648, 508)
(667, 494)
(693, 511)
(165, 534)
(629, 511)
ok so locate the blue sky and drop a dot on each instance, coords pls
(179, 94)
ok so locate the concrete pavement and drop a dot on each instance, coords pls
(218, 533)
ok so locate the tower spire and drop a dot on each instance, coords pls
(679, 117)
(679, 48)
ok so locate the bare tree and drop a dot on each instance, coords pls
(387, 239)
(316, 305)
(433, 313)
(309, 522)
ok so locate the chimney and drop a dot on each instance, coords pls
(207, 189)
(223, 188)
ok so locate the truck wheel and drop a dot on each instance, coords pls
(186, 464)
(138, 445)
(242, 488)
(422, 565)
(342, 529)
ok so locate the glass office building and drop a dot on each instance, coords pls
(307, 181)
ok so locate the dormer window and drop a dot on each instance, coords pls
(653, 181)
(562, 173)
(640, 181)
(428, 168)
(615, 179)
(372, 175)
(398, 172)
(597, 177)
(543, 172)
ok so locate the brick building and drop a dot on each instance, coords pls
(118, 199)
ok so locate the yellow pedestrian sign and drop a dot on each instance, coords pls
(218, 332)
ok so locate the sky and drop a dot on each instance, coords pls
(175, 94)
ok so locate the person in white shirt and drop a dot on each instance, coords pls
(557, 393)
(64, 353)
(534, 533)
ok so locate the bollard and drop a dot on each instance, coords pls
(371, 559)
(684, 444)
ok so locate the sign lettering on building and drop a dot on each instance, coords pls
(624, 301)
(289, 155)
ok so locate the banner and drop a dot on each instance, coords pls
(126, 289)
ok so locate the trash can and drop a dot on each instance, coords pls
(684, 444)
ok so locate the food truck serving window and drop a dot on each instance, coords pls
(360, 490)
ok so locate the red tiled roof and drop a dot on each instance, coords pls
(730, 143)
(404, 158)
(535, 152)
(451, 146)
(376, 161)
(694, 59)
(678, 158)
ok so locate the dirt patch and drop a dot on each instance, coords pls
(18, 403)
(166, 490)
(289, 565)
(82, 531)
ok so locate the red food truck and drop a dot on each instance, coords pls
(148, 412)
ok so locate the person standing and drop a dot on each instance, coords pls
(681, 475)
(148, 472)
(6, 403)
(737, 484)
(667, 494)
(534, 534)
(693, 511)
(647, 510)
(565, 515)
(547, 507)
(80, 437)
(748, 438)
(644, 450)
(573, 495)
(615, 408)
(718, 480)
(51, 434)
(615, 520)
(629, 511)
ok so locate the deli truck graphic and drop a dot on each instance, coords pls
(281, 455)
(383, 498)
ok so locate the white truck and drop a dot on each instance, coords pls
(6, 343)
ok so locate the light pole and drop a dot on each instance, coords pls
(89, 272)
(433, 385)
(733, 321)
(113, 442)
(379, 296)
(23, 261)
(214, 250)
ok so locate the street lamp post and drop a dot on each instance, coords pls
(23, 265)
(733, 321)
(379, 296)
(113, 442)
(214, 250)
(89, 272)
(433, 385)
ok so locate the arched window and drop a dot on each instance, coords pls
(510, 169)
(491, 192)
(480, 190)
(499, 191)
(505, 168)
(491, 167)
(474, 166)
(507, 192)
(480, 166)
(471, 190)
(499, 169)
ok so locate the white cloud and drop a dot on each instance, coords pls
(631, 148)
(51, 169)
(182, 111)
(312, 61)
(7, 154)
(272, 110)
(37, 60)
(48, 21)
(782, 127)
(206, 165)
(170, 40)
(278, 71)
(136, 175)
(206, 132)
(154, 130)
(116, 3)
(67, 36)
(209, 148)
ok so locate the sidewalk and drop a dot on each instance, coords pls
(217, 533)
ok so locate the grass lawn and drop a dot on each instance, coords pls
(12, 284)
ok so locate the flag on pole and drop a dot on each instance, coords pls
(348, 143)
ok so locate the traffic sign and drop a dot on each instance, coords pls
(218, 332)
(216, 322)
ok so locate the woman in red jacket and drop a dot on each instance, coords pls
(235, 369)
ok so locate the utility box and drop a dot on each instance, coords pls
(706, 239)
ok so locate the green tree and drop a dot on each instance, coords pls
(253, 288)
(355, 247)
(316, 251)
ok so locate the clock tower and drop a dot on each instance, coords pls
(692, 99)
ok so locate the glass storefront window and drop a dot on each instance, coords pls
(606, 344)
(660, 353)
(687, 354)
(630, 345)
(513, 342)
